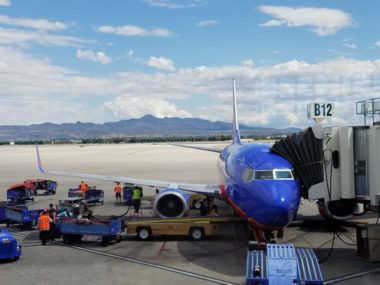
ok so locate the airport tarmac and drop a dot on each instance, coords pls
(219, 260)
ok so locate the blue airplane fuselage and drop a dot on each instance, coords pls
(266, 202)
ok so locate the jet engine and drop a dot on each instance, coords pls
(339, 209)
(171, 203)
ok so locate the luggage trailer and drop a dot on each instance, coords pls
(73, 230)
(21, 215)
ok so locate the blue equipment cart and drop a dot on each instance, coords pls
(21, 215)
(127, 193)
(93, 195)
(3, 217)
(9, 249)
(280, 264)
(72, 230)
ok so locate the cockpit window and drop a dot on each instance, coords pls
(283, 174)
(249, 174)
(263, 174)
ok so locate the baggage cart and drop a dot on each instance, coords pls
(72, 230)
(21, 215)
(93, 195)
(20, 193)
(48, 187)
(69, 202)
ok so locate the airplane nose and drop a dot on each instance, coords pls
(285, 205)
(282, 215)
(276, 204)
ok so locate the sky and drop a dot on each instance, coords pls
(104, 61)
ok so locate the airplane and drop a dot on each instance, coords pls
(258, 185)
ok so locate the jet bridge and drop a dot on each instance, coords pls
(339, 166)
(351, 164)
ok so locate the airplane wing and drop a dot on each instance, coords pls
(200, 148)
(211, 190)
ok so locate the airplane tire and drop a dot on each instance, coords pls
(66, 239)
(105, 241)
(144, 233)
(118, 238)
(197, 204)
(196, 233)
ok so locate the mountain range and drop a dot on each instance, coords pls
(145, 126)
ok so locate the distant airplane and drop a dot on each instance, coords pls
(258, 185)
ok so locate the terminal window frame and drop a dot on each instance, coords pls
(274, 174)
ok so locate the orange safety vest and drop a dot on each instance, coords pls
(43, 223)
(118, 189)
(83, 187)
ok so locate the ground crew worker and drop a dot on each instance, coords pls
(136, 198)
(203, 208)
(83, 186)
(212, 208)
(43, 226)
(117, 192)
(52, 213)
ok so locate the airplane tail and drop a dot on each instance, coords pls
(38, 161)
(236, 132)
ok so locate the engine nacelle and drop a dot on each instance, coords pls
(171, 203)
(339, 210)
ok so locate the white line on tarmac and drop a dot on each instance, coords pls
(150, 264)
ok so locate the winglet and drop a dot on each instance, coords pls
(236, 132)
(38, 161)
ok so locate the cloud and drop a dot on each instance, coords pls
(173, 4)
(130, 53)
(18, 37)
(351, 46)
(270, 95)
(323, 21)
(377, 44)
(136, 107)
(38, 24)
(207, 23)
(5, 3)
(130, 31)
(94, 56)
(161, 63)
(248, 63)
